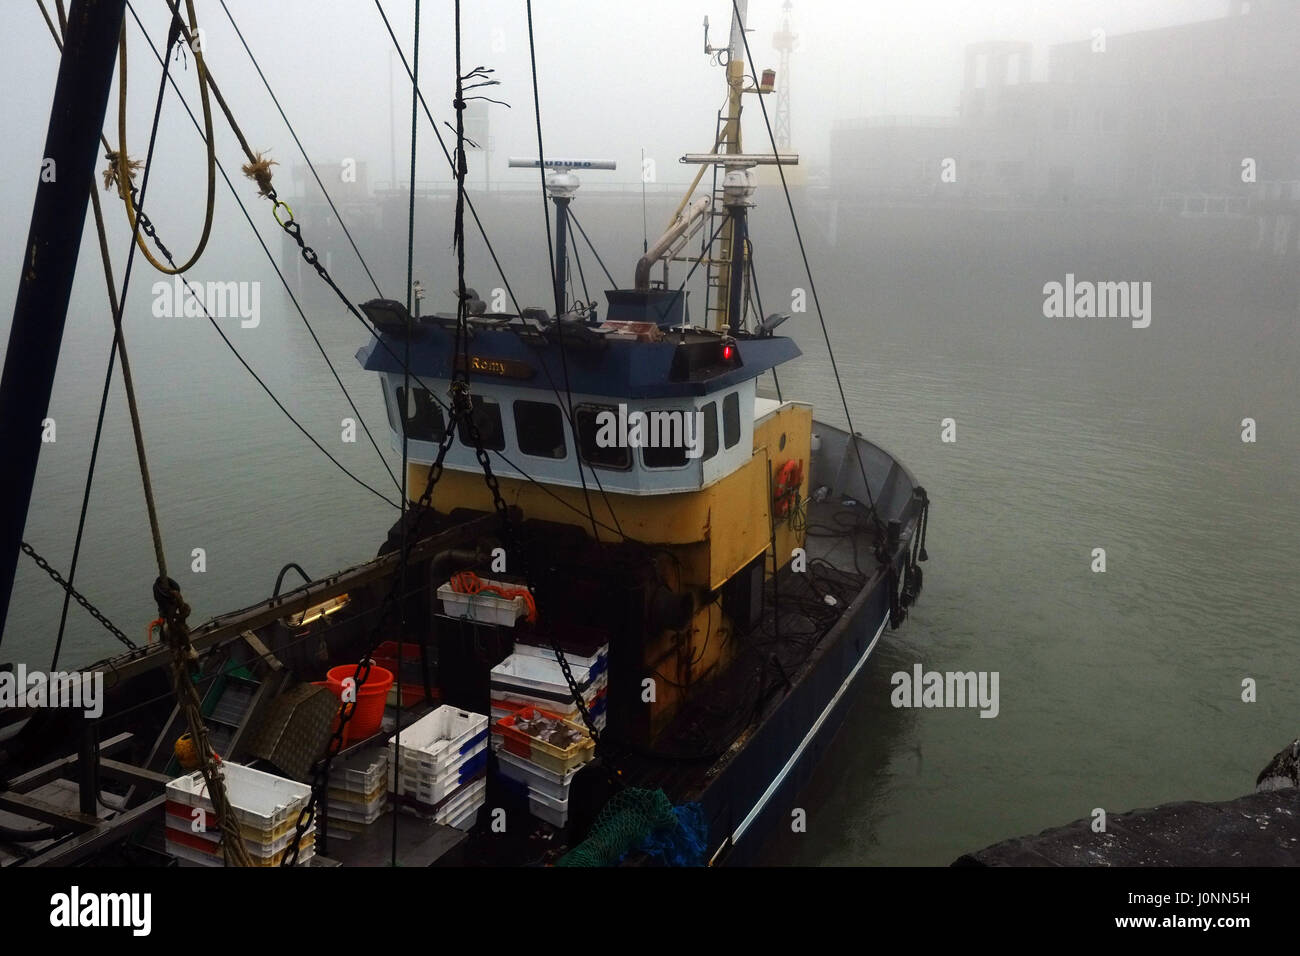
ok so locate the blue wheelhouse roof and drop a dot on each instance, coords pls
(619, 368)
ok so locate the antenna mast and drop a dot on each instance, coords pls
(561, 186)
(721, 267)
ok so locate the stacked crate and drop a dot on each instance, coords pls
(532, 677)
(539, 753)
(265, 806)
(441, 766)
(358, 791)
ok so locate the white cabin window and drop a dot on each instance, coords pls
(587, 420)
(423, 416)
(389, 405)
(710, 430)
(539, 428)
(486, 414)
(731, 420)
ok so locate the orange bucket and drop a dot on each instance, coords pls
(368, 714)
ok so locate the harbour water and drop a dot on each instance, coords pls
(1117, 689)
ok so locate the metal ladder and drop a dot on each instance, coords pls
(230, 706)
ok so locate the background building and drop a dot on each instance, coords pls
(1166, 116)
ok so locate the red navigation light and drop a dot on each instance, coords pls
(726, 353)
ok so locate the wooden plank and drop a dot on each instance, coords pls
(261, 650)
(130, 772)
(105, 834)
(225, 627)
(56, 768)
(34, 809)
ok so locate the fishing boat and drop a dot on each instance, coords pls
(632, 592)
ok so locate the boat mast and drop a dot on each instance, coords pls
(725, 271)
(53, 241)
(561, 186)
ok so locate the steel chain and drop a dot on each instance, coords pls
(147, 227)
(460, 413)
(78, 597)
(499, 503)
(320, 777)
(309, 255)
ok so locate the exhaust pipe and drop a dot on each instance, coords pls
(687, 221)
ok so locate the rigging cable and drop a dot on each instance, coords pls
(469, 204)
(292, 228)
(575, 691)
(148, 228)
(461, 419)
(574, 219)
(645, 229)
(758, 301)
(122, 170)
(410, 291)
(167, 593)
(337, 215)
(577, 261)
(812, 284)
(663, 310)
(550, 259)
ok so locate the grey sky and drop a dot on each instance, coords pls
(615, 76)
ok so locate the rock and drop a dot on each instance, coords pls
(1282, 772)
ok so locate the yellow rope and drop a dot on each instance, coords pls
(121, 169)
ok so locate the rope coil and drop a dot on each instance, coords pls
(121, 168)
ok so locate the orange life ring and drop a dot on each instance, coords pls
(789, 477)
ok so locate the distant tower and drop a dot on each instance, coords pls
(783, 41)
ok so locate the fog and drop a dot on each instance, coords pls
(622, 81)
(1069, 227)
(614, 77)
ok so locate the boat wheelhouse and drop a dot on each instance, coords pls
(697, 483)
(652, 377)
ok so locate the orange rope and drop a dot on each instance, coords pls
(467, 582)
(148, 631)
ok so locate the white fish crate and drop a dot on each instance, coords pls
(265, 805)
(431, 789)
(214, 837)
(553, 811)
(438, 741)
(595, 663)
(537, 779)
(462, 810)
(362, 772)
(485, 607)
(204, 858)
(359, 814)
(206, 847)
(439, 753)
(523, 675)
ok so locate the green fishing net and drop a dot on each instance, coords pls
(643, 820)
